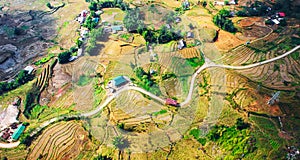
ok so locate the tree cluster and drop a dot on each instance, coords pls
(222, 20)
(64, 57)
(90, 23)
(22, 78)
(169, 17)
(235, 139)
(31, 100)
(94, 6)
(255, 9)
(146, 81)
(134, 21)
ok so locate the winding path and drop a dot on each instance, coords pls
(208, 64)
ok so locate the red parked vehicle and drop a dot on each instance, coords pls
(172, 102)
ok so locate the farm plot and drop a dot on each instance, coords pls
(256, 31)
(82, 78)
(278, 75)
(64, 140)
(189, 52)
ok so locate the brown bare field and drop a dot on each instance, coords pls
(250, 21)
(64, 140)
(227, 40)
(255, 31)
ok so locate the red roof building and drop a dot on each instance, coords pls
(281, 14)
(171, 102)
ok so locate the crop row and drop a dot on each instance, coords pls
(49, 139)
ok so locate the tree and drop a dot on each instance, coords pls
(191, 26)
(64, 57)
(133, 20)
(204, 4)
(93, 6)
(240, 124)
(49, 5)
(120, 142)
(221, 20)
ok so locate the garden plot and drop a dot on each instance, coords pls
(82, 79)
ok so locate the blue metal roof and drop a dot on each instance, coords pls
(120, 80)
(117, 28)
(18, 132)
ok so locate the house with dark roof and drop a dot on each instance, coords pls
(177, 19)
(190, 35)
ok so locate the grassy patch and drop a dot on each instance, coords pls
(83, 80)
(36, 111)
(269, 141)
(163, 111)
(45, 59)
(65, 24)
(125, 36)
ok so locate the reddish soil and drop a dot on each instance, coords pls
(260, 105)
(250, 21)
(284, 135)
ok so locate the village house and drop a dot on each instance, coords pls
(177, 19)
(190, 35)
(181, 44)
(117, 83)
(186, 4)
(116, 29)
(232, 2)
(29, 69)
(219, 3)
(18, 132)
(172, 102)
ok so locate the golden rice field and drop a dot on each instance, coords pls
(64, 140)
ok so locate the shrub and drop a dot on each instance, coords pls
(49, 5)
(64, 57)
(222, 21)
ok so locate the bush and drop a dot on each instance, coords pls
(240, 124)
(79, 43)
(19, 31)
(22, 78)
(222, 21)
(49, 5)
(120, 142)
(31, 100)
(64, 57)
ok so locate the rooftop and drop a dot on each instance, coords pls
(18, 132)
(29, 69)
(117, 28)
(120, 80)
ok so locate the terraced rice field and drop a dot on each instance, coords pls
(189, 52)
(46, 74)
(280, 75)
(64, 140)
